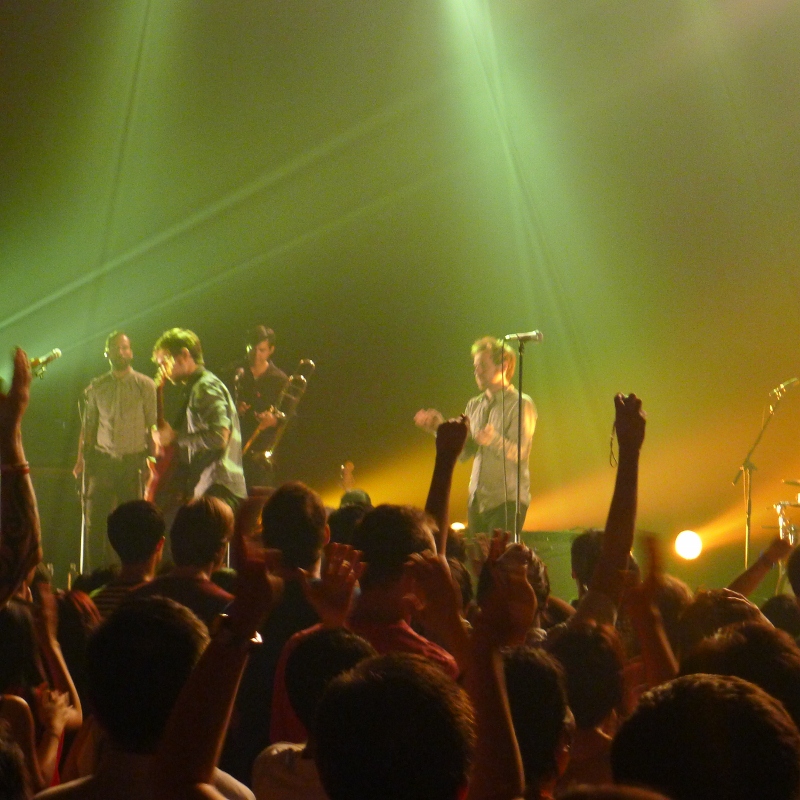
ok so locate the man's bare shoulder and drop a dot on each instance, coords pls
(80, 789)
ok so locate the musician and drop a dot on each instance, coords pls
(492, 440)
(257, 387)
(207, 435)
(114, 444)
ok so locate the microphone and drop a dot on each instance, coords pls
(779, 390)
(530, 336)
(40, 363)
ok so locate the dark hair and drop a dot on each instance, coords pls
(200, 531)
(758, 653)
(258, 334)
(537, 697)
(343, 521)
(387, 535)
(175, 339)
(710, 611)
(293, 521)
(111, 338)
(584, 554)
(592, 657)
(394, 727)
(14, 778)
(672, 598)
(709, 737)
(315, 662)
(793, 570)
(20, 664)
(77, 618)
(784, 613)
(134, 529)
(464, 580)
(137, 662)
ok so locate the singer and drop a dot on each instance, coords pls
(114, 443)
(492, 441)
(256, 385)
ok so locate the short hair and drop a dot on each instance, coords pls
(343, 521)
(783, 612)
(387, 536)
(672, 598)
(463, 580)
(134, 529)
(394, 727)
(111, 338)
(175, 339)
(258, 334)
(293, 521)
(593, 659)
(200, 530)
(758, 653)
(501, 353)
(20, 664)
(585, 553)
(793, 570)
(700, 737)
(710, 611)
(315, 662)
(137, 662)
(537, 696)
(14, 777)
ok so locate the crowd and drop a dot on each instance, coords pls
(345, 655)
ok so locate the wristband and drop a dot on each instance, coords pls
(23, 468)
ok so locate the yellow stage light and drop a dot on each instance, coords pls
(688, 545)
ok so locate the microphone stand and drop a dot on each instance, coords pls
(746, 469)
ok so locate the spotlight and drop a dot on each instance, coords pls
(458, 526)
(688, 545)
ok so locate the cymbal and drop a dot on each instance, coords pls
(791, 482)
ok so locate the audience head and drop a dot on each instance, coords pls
(710, 611)
(793, 570)
(758, 653)
(342, 522)
(593, 658)
(137, 662)
(356, 497)
(315, 662)
(14, 778)
(136, 531)
(709, 737)
(537, 696)
(387, 536)
(20, 665)
(294, 521)
(394, 727)
(200, 532)
(783, 612)
(464, 580)
(584, 554)
(672, 598)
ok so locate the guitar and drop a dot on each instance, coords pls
(165, 486)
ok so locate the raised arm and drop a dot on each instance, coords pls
(20, 535)
(450, 438)
(750, 579)
(607, 582)
(505, 617)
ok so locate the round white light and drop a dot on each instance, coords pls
(688, 545)
(458, 526)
